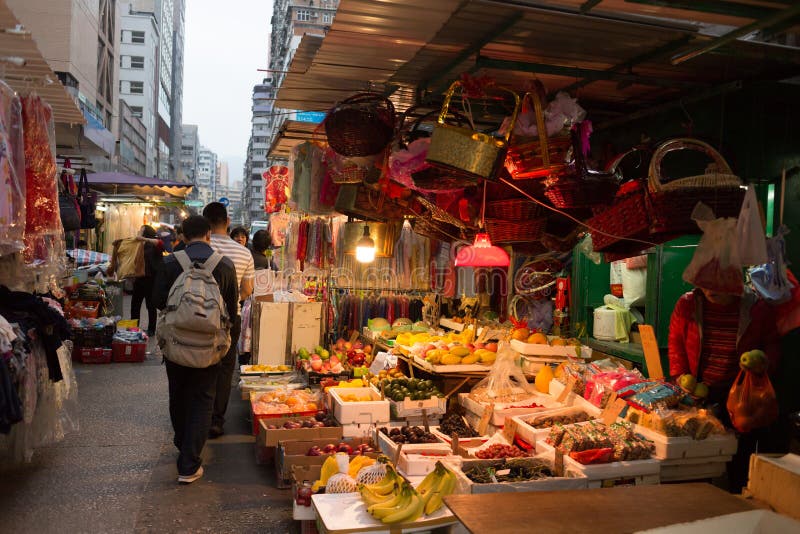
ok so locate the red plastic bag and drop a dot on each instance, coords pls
(752, 403)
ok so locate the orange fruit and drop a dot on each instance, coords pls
(538, 339)
(520, 334)
(559, 342)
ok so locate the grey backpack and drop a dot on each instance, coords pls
(194, 328)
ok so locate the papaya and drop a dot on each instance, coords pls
(451, 359)
(460, 351)
(468, 360)
(488, 357)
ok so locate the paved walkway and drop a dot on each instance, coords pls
(117, 474)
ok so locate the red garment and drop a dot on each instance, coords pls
(720, 329)
(756, 330)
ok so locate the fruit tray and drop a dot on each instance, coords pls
(375, 411)
(533, 349)
(422, 460)
(444, 369)
(346, 513)
(573, 480)
(649, 469)
(252, 370)
(389, 447)
(532, 435)
(508, 409)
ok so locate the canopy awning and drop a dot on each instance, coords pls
(618, 56)
(25, 70)
(118, 183)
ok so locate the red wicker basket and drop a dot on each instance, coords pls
(571, 191)
(503, 231)
(516, 209)
(361, 125)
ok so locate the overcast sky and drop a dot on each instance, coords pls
(225, 43)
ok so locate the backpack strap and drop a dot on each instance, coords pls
(212, 261)
(183, 259)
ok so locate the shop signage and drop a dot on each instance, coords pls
(193, 203)
(310, 116)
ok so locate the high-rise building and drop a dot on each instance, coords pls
(178, 40)
(234, 196)
(206, 175)
(165, 14)
(222, 177)
(190, 151)
(138, 79)
(132, 141)
(79, 41)
(291, 19)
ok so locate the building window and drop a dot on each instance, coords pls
(136, 88)
(136, 111)
(303, 15)
(137, 62)
(137, 37)
(326, 18)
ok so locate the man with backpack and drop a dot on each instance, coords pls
(197, 294)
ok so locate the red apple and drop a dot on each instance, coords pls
(316, 364)
(344, 447)
(358, 345)
(340, 344)
(314, 451)
(334, 360)
(491, 347)
(316, 357)
(329, 448)
(368, 349)
(272, 427)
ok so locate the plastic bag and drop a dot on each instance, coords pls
(601, 385)
(752, 403)
(715, 265)
(505, 382)
(771, 280)
(616, 269)
(750, 232)
(634, 285)
(12, 172)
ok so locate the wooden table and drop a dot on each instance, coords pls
(604, 511)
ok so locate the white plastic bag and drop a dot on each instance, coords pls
(634, 286)
(716, 264)
(770, 280)
(750, 232)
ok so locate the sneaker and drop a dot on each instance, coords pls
(215, 432)
(188, 479)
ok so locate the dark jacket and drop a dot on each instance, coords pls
(224, 274)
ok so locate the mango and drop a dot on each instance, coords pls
(468, 360)
(451, 359)
(488, 357)
(460, 351)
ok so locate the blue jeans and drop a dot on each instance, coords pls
(191, 403)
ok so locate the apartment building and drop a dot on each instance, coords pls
(206, 179)
(190, 150)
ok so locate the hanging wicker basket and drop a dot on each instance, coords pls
(361, 125)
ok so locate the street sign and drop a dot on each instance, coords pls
(224, 201)
(193, 203)
(310, 116)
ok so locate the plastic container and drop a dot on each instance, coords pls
(129, 352)
(93, 355)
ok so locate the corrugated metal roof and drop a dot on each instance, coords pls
(36, 72)
(617, 57)
(291, 134)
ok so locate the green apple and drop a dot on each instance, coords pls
(318, 349)
(754, 360)
(324, 354)
(687, 382)
(701, 391)
(303, 354)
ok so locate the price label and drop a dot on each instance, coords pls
(483, 424)
(652, 356)
(558, 463)
(510, 430)
(567, 389)
(612, 411)
(425, 420)
(503, 472)
(397, 453)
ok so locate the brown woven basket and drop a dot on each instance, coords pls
(502, 231)
(571, 191)
(361, 125)
(515, 209)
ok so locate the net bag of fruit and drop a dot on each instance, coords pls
(751, 402)
(716, 263)
(505, 382)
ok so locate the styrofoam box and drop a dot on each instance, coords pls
(641, 471)
(302, 513)
(389, 447)
(358, 430)
(452, 325)
(531, 435)
(687, 469)
(422, 460)
(686, 447)
(750, 522)
(375, 411)
(503, 410)
(571, 482)
(531, 349)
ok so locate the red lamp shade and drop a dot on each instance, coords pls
(482, 254)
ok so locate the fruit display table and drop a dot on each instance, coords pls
(623, 509)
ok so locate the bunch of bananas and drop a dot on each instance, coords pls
(394, 500)
(437, 485)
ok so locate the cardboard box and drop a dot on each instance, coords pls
(270, 322)
(270, 437)
(290, 454)
(375, 411)
(775, 480)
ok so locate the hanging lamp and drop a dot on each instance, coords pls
(482, 253)
(365, 247)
